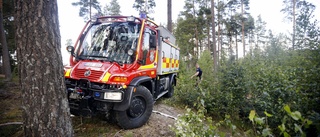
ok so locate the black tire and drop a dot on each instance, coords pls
(139, 111)
(171, 91)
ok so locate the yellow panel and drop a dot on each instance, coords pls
(140, 39)
(167, 60)
(68, 73)
(150, 66)
(106, 77)
(163, 64)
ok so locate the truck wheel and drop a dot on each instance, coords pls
(171, 91)
(139, 110)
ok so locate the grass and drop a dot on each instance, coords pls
(10, 111)
(84, 127)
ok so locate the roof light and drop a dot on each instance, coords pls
(143, 15)
(130, 19)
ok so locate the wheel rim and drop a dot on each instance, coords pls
(137, 107)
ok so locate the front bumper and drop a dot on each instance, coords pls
(87, 99)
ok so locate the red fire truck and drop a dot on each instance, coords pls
(119, 66)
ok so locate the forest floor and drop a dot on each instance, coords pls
(159, 124)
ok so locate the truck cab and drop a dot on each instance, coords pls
(119, 66)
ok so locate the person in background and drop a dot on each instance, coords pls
(198, 74)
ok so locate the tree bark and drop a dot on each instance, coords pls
(169, 26)
(45, 105)
(5, 52)
(215, 60)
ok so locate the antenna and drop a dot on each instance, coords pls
(146, 6)
(90, 10)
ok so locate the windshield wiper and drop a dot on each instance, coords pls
(81, 57)
(92, 57)
(95, 57)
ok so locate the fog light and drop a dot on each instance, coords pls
(97, 94)
(113, 95)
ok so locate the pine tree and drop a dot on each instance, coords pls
(113, 8)
(260, 30)
(306, 29)
(215, 60)
(290, 13)
(86, 8)
(45, 105)
(139, 5)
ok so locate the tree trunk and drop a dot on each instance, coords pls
(197, 54)
(294, 24)
(242, 24)
(236, 45)
(169, 26)
(219, 38)
(215, 60)
(208, 17)
(45, 105)
(208, 34)
(230, 46)
(196, 31)
(5, 52)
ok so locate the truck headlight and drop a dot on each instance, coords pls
(113, 96)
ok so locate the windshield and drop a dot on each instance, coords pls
(115, 42)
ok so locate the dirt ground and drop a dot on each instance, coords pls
(162, 118)
(158, 125)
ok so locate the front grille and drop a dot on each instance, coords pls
(71, 83)
(95, 75)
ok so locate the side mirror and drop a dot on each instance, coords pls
(153, 41)
(70, 49)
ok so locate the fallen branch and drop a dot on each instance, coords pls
(117, 132)
(11, 123)
(163, 114)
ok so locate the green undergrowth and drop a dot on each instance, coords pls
(84, 127)
(260, 82)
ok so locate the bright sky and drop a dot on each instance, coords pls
(71, 24)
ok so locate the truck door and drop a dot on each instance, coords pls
(148, 48)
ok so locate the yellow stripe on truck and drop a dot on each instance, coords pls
(106, 77)
(67, 74)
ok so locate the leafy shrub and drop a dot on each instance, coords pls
(260, 82)
(292, 123)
